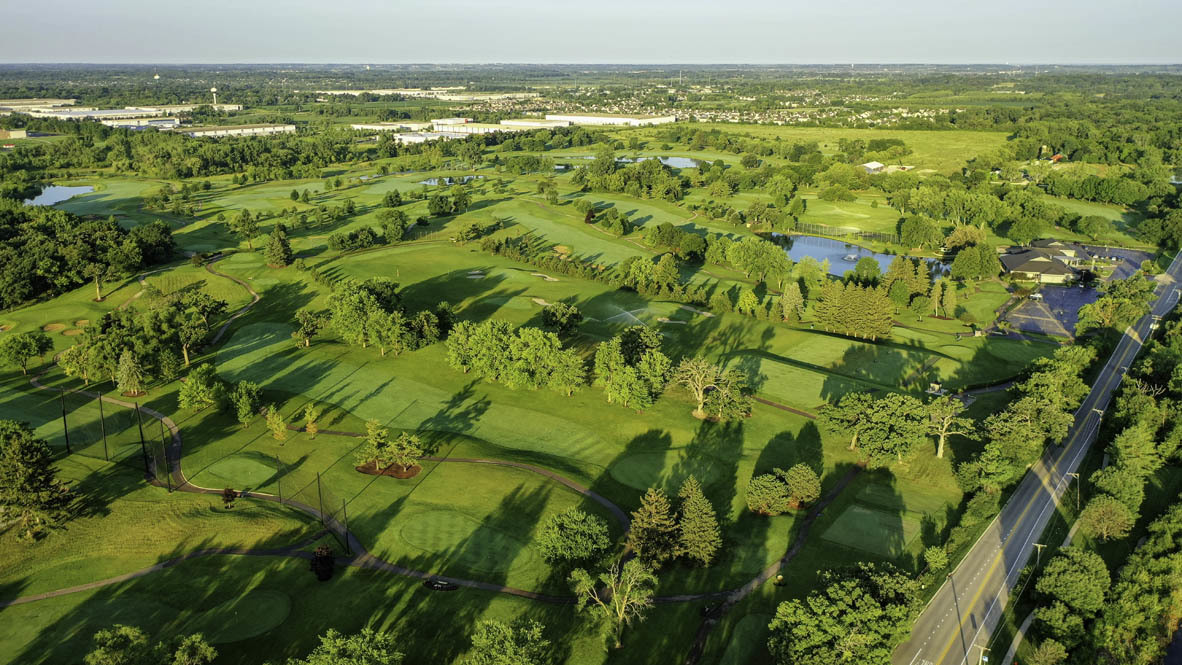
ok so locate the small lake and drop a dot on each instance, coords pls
(842, 256)
(672, 162)
(464, 179)
(56, 194)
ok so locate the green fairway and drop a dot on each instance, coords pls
(879, 532)
(243, 617)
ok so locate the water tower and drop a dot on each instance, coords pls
(215, 95)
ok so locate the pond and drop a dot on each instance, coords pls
(464, 179)
(56, 194)
(842, 256)
(672, 162)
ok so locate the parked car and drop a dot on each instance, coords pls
(436, 584)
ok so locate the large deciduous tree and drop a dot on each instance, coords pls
(627, 592)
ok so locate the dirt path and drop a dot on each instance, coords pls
(785, 407)
(253, 295)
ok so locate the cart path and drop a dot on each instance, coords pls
(217, 337)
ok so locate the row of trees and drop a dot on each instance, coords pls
(371, 312)
(889, 428)
(525, 357)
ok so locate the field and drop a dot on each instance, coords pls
(502, 460)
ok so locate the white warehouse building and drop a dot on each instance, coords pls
(392, 126)
(535, 123)
(612, 119)
(238, 130)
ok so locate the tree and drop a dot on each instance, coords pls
(1048, 652)
(405, 451)
(309, 323)
(792, 303)
(848, 415)
(949, 300)
(698, 535)
(247, 226)
(627, 593)
(730, 400)
(392, 199)
(698, 376)
(803, 484)
(276, 424)
(572, 536)
(368, 647)
(312, 413)
(564, 318)
(944, 414)
(1078, 578)
(191, 331)
(1105, 517)
(278, 248)
(29, 488)
(858, 616)
(120, 645)
(768, 495)
(193, 650)
(496, 643)
(202, 388)
(892, 429)
(130, 375)
(653, 535)
(294, 196)
(439, 205)
(245, 399)
(936, 557)
(17, 349)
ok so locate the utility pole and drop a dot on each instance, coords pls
(1077, 491)
(982, 658)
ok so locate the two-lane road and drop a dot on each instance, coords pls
(966, 609)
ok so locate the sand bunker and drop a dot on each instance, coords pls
(72, 332)
(541, 301)
(53, 327)
(545, 277)
(81, 323)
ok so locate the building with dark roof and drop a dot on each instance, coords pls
(1046, 261)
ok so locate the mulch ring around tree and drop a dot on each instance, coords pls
(128, 393)
(393, 470)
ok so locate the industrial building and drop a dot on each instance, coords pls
(450, 121)
(13, 134)
(170, 109)
(34, 104)
(612, 119)
(535, 123)
(392, 126)
(96, 114)
(478, 128)
(143, 123)
(423, 137)
(238, 130)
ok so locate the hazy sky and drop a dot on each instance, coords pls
(597, 31)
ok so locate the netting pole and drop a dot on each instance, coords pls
(320, 497)
(65, 425)
(164, 448)
(279, 478)
(139, 419)
(103, 423)
(345, 516)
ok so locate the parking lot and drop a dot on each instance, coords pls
(1055, 314)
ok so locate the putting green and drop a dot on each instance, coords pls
(465, 541)
(240, 470)
(644, 470)
(879, 532)
(244, 617)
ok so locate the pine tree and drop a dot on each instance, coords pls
(278, 249)
(698, 534)
(29, 489)
(129, 376)
(276, 424)
(948, 302)
(937, 295)
(792, 303)
(653, 535)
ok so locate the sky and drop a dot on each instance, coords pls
(600, 31)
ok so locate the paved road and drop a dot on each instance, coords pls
(968, 606)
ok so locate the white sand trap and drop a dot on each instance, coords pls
(545, 277)
(695, 311)
(542, 302)
(475, 275)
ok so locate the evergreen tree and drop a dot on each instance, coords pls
(130, 374)
(276, 424)
(245, 399)
(29, 489)
(698, 534)
(792, 303)
(949, 300)
(278, 249)
(937, 296)
(653, 535)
